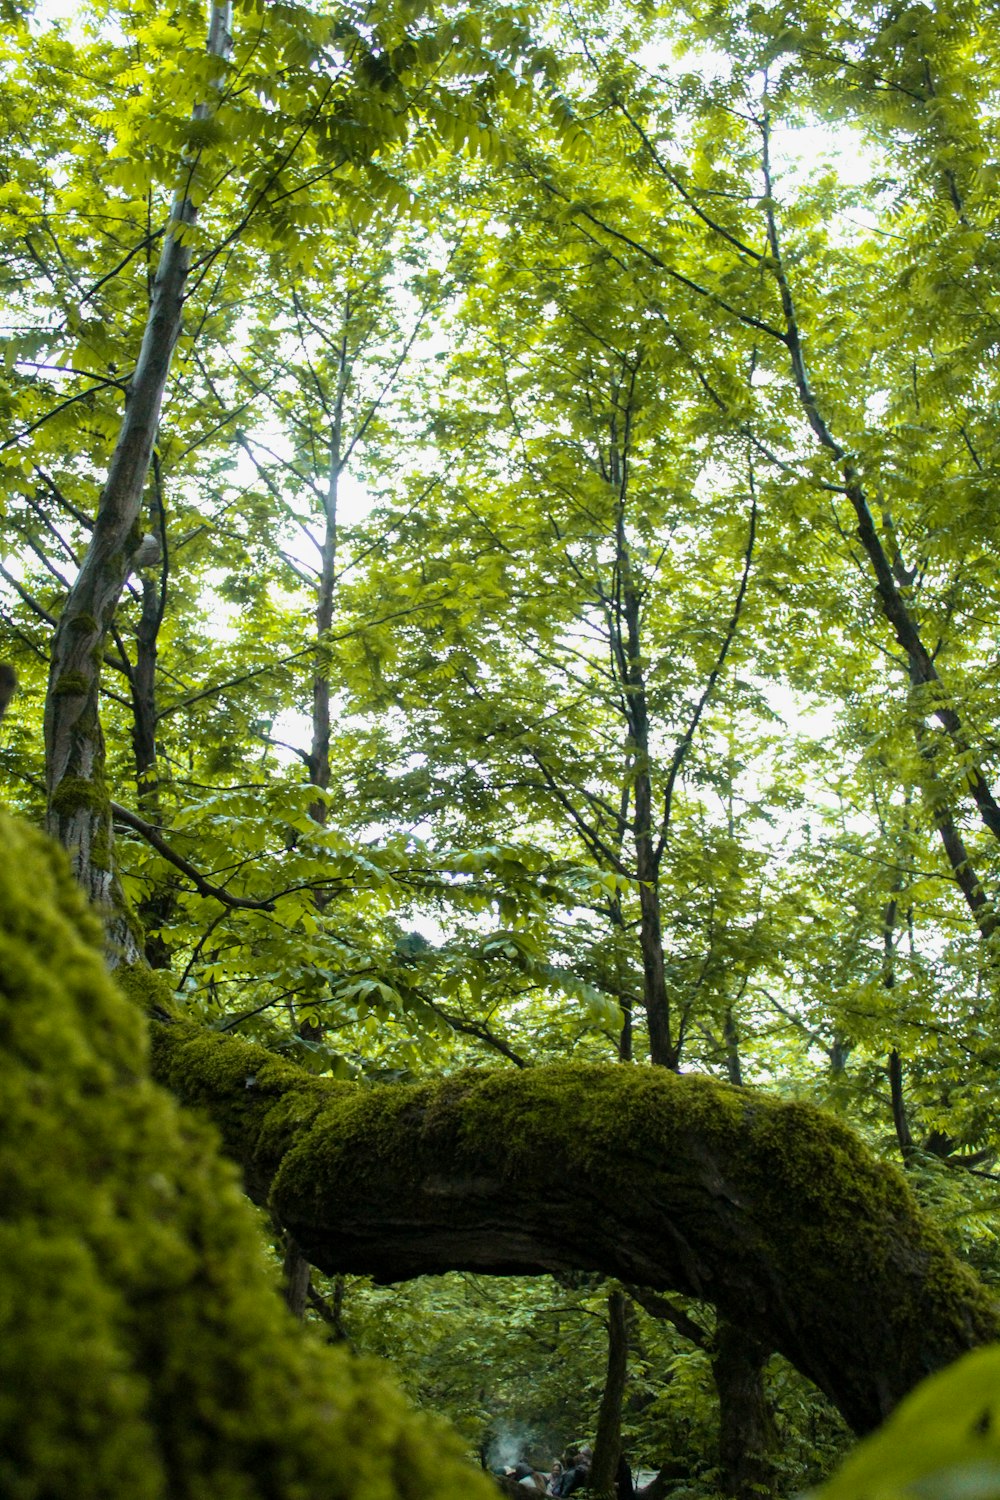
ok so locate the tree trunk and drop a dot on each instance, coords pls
(319, 753)
(664, 1043)
(747, 1439)
(936, 798)
(156, 909)
(79, 813)
(772, 1211)
(144, 699)
(608, 1442)
(730, 1036)
(663, 1050)
(904, 1138)
(889, 573)
(297, 1276)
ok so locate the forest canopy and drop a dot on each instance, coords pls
(500, 572)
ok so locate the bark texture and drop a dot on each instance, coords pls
(772, 1211)
(79, 812)
(608, 1439)
(747, 1439)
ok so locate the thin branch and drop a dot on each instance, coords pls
(590, 837)
(679, 187)
(54, 412)
(685, 742)
(747, 319)
(665, 1310)
(204, 887)
(481, 1032)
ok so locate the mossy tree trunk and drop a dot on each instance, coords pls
(143, 1353)
(772, 1211)
(79, 812)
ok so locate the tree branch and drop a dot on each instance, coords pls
(772, 1210)
(685, 742)
(204, 887)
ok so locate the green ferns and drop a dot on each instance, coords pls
(143, 1350)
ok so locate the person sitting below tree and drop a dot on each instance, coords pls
(577, 1475)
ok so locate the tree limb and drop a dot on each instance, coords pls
(204, 887)
(771, 1210)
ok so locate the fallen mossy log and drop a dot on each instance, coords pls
(772, 1211)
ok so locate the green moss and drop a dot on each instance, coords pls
(146, 988)
(760, 1192)
(74, 792)
(72, 685)
(100, 846)
(143, 1350)
(83, 625)
(836, 1215)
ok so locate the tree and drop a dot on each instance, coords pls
(664, 469)
(312, 133)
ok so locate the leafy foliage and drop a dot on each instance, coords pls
(578, 558)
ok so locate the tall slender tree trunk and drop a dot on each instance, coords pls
(297, 1270)
(153, 582)
(731, 1039)
(743, 1409)
(956, 851)
(156, 908)
(900, 1120)
(891, 578)
(608, 1442)
(79, 813)
(662, 1047)
(319, 752)
(663, 1050)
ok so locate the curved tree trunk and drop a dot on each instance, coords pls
(772, 1211)
(890, 576)
(79, 810)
